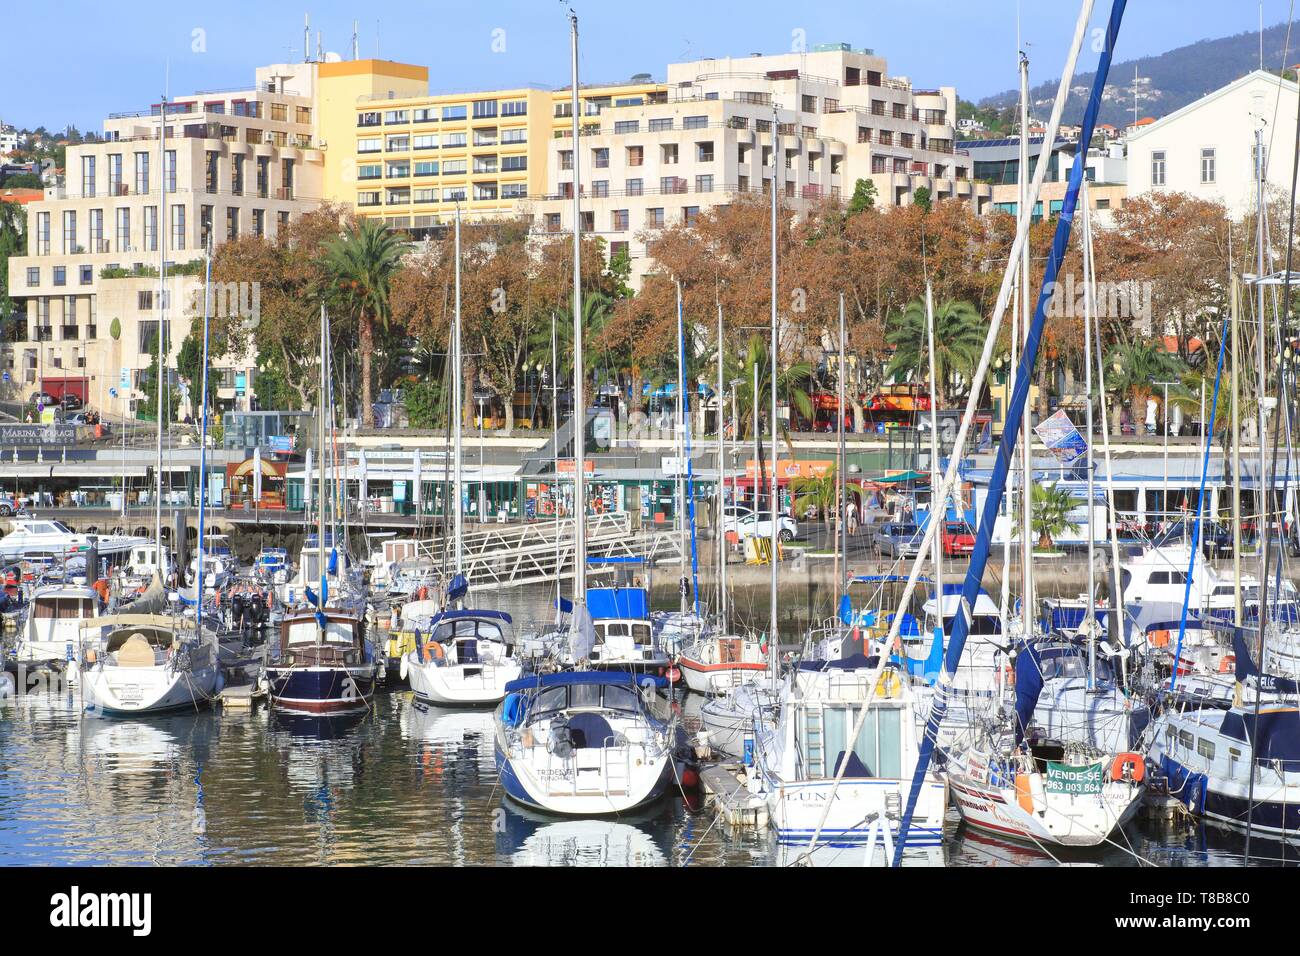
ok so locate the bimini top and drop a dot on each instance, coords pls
(462, 613)
(569, 678)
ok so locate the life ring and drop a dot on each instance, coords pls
(1226, 663)
(1128, 766)
(431, 650)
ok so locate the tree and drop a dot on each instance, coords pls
(921, 197)
(820, 492)
(864, 196)
(13, 242)
(1050, 513)
(361, 264)
(789, 383)
(959, 333)
(1134, 370)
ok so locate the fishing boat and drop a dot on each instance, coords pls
(51, 634)
(623, 635)
(582, 743)
(716, 664)
(137, 664)
(825, 783)
(325, 663)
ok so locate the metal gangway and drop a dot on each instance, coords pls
(510, 555)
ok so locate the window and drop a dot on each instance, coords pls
(514, 108)
(453, 112)
(485, 109)
(808, 103)
(398, 143)
(600, 189)
(453, 194)
(690, 214)
(237, 174)
(263, 176)
(485, 164)
(69, 231)
(42, 233)
(513, 163)
(668, 154)
(286, 179)
(452, 140)
(635, 155)
(487, 136)
(60, 275)
(259, 222)
(695, 122)
(151, 228)
(370, 171)
(704, 184)
(619, 220)
(514, 190)
(427, 194)
(485, 190)
(426, 167)
(553, 222)
(399, 170)
(660, 125)
(279, 112)
(369, 197)
(600, 158)
(205, 225)
(1205, 748)
(1158, 168)
(232, 223)
(672, 184)
(633, 187)
(115, 185)
(87, 175)
(454, 167)
(654, 218)
(1185, 739)
(142, 174)
(1207, 166)
(124, 230)
(704, 152)
(627, 126)
(514, 136)
(425, 141)
(566, 159)
(178, 227)
(87, 275)
(426, 115)
(96, 239)
(395, 116)
(370, 144)
(33, 277)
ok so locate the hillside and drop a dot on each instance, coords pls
(1168, 82)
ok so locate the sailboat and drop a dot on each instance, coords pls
(325, 663)
(140, 663)
(462, 656)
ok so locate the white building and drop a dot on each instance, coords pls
(1207, 148)
(8, 139)
(839, 118)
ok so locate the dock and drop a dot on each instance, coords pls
(725, 790)
(240, 697)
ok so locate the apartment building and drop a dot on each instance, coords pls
(233, 163)
(1207, 148)
(838, 118)
(410, 157)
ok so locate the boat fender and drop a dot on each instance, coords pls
(401, 668)
(1226, 663)
(424, 593)
(1128, 766)
(512, 710)
(1024, 793)
(673, 675)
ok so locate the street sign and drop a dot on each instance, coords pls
(124, 379)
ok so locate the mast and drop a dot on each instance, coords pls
(775, 495)
(1236, 451)
(1090, 611)
(1026, 456)
(203, 431)
(457, 400)
(159, 382)
(682, 529)
(579, 416)
(841, 501)
(938, 510)
(722, 492)
(323, 595)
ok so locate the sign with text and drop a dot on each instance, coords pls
(1062, 438)
(786, 469)
(52, 433)
(1063, 778)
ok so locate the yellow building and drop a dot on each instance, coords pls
(396, 152)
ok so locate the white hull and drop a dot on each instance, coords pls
(712, 679)
(145, 690)
(1058, 819)
(796, 809)
(460, 685)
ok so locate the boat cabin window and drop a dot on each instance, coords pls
(979, 624)
(1205, 748)
(305, 631)
(63, 608)
(1063, 666)
(1185, 739)
(550, 700)
(1167, 577)
(878, 751)
(591, 696)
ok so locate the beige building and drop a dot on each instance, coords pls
(839, 119)
(233, 163)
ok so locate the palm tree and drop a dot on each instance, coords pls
(1134, 370)
(596, 311)
(1051, 506)
(790, 382)
(820, 492)
(361, 263)
(959, 332)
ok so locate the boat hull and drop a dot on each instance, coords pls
(712, 679)
(528, 788)
(310, 689)
(460, 685)
(1066, 821)
(796, 809)
(133, 691)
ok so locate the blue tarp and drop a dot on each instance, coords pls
(1276, 736)
(617, 559)
(1246, 667)
(462, 613)
(569, 678)
(618, 603)
(458, 588)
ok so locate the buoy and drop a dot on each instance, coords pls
(673, 675)
(1226, 663)
(690, 778)
(1128, 766)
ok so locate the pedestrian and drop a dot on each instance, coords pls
(851, 516)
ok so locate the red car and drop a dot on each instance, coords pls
(958, 538)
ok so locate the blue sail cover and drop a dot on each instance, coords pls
(458, 588)
(618, 603)
(1276, 735)
(1246, 668)
(1029, 684)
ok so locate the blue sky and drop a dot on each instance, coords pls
(109, 57)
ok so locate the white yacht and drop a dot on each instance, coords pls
(55, 617)
(147, 663)
(33, 537)
(462, 658)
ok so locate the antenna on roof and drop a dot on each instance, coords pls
(355, 51)
(319, 57)
(306, 37)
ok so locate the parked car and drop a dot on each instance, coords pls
(958, 538)
(747, 523)
(42, 398)
(8, 506)
(899, 539)
(71, 402)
